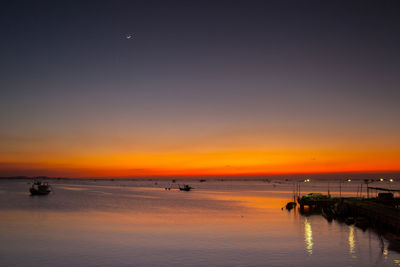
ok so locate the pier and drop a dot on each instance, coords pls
(379, 215)
(381, 212)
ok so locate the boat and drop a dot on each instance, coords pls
(291, 205)
(185, 187)
(315, 200)
(326, 212)
(40, 188)
(313, 197)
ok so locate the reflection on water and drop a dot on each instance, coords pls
(308, 236)
(125, 223)
(351, 239)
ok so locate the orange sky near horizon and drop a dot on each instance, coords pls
(218, 163)
(118, 149)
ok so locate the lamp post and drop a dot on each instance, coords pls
(367, 181)
(340, 185)
(307, 180)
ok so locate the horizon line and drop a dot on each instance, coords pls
(166, 176)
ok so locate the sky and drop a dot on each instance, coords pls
(201, 88)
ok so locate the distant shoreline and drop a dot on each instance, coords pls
(317, 176)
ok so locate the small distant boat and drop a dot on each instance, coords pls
(291, 205)
(40, 188)
(185, 187)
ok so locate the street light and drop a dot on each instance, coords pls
(367, 181)
(340, 186)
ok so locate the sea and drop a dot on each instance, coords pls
(150, 222)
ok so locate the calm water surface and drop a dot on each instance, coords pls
(138, 223)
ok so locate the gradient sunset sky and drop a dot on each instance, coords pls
(201, 88)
